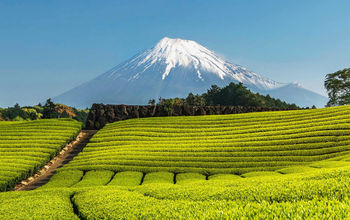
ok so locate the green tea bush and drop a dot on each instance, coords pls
(95, 178)
(55, 204)
(65, 178)
(220, 177)
(258, 174)
(275, 165)
(184, 178)
(128, 178)
(159, 177)
(322, 194)
(213, 144)
(25, 147)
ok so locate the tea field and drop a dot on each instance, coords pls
(322, 193)
(25, 147)
(268, 165)
(236, 144)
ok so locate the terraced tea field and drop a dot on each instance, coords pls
(25, 147)
(215, 144)
(321, 193)
(270, 165)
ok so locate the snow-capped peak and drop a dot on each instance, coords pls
(185, 53)
(174, 68)
(171, 53)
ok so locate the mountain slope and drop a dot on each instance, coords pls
(294, 93)
(173, 68)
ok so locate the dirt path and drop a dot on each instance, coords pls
(67, 154)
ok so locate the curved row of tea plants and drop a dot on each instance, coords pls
(303, 193)
(237, 144)
(26, 147)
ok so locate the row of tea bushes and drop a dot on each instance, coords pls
(25, 147)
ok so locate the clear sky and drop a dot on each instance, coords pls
(48, 47)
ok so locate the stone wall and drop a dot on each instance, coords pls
(101, 114)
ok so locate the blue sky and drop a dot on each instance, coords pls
(48, 47)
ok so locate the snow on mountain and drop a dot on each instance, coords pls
(172, 68)
(189, 54)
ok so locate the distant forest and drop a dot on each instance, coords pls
(48, 110)
(233, 94)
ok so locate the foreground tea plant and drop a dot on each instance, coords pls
(25, 147)
(271, 165)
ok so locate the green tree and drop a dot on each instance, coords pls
(338, 87)
(190, 99)
(49, 110)
(196, 100)
(199, 100)
(168, 105)
(81, 115)
(15, 111)
(152, 102)
(212, 96)
(30, 113)
(233, 94)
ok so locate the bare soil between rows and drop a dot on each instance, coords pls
(67, 154)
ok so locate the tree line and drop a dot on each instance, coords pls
(337, 85)
(48, 110)
(232, 95)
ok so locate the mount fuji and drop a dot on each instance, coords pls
(174, 68)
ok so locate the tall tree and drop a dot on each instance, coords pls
(338, 87)
(49, 110)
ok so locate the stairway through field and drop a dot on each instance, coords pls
(76, 147)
